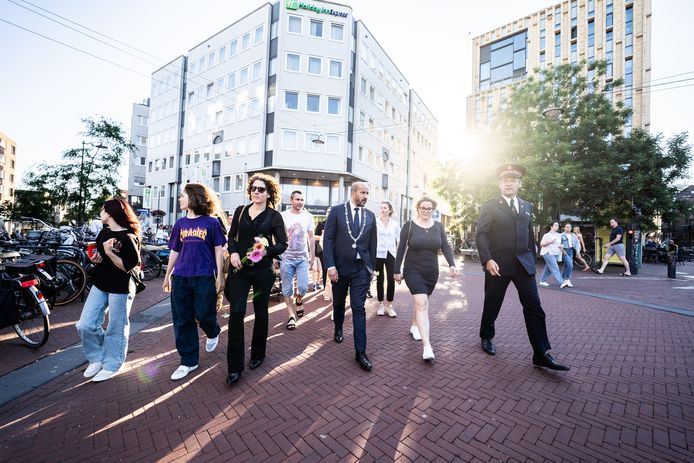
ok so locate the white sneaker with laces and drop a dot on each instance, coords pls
(568, 283)
(103, 375)
(390, 311)
(564, 284)
(181, 372)
(92, 369)
(428, 353)
(381, 309)
(414, 331)
(544, 283)
(211, 344)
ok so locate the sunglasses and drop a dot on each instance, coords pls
(259, 189)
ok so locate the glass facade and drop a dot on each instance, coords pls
(503, 61)
(629, 31)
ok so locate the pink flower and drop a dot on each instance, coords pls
(255, 256)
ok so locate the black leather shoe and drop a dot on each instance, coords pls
(255, 364)
(338, 336)
(233, 378)
(488, 346)
(547, 361)
(363, 361)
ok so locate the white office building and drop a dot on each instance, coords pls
(298, 90)
(138, 157)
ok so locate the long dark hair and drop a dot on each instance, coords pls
(122, 214)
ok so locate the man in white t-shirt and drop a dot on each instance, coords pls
(298, 259)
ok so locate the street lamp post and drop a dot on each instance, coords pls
(81, 203)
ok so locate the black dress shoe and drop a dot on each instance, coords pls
(547, 361)
(255, 364)
(233, 378)
(363, 361)
(488, 346)
(338, 336)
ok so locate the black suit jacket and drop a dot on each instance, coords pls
(337, 245)
(506, 238)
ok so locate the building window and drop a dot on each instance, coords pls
(336, 68)
(293, 62)
(257, 69)
(332, 144)
(141, 160)
(574, 53)
(220, 85)
(543, 25)
(253, 143)
(574, 13)
(149, 166)
(629, 31)
(609, 16)
(232, 81)
(557, 45)
(222, 54)
(503, 60)
(308, 142)
(557, 17)
(291, 100)
(362, 86)
(313, 103)
(218, 118)
(171, 162)
(316, 28)
(210, 60)
(372, 94)
(210, 87)
(233, 48)
(294, 25)
(591, 8)
(238, 182)
(254, 107)
(259, 34)
(243, 76)
(230, 114)
(245, 41)
(140, 140)
(609, 45)
(337, 32)
(215, 184)
(334, 106)
(591, 42)
(315, 65)
(543, 63)
(362, 119)
(227, 183)
(197, 158)
(142, 120)
(289, 139)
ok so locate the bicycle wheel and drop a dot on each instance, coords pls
(34, 327)
(151, 265)
(588, 258)
(70, 281)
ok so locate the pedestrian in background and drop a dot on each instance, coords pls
(570, 247)
(193, 275)
(257, 233)
(117, 256)
(421, 239)
(386, 249)
(550, 251)
(615, 246)
(579, 257)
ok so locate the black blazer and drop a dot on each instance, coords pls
(337, 245)
(506, 238)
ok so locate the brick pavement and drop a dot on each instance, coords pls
(628, 396)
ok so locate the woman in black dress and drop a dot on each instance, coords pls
(420, 241)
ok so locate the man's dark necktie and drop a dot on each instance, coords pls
(357, 222)
(512, 204)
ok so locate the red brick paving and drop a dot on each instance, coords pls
(628, 396)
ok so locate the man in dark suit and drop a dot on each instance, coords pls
(506, 246)
(349, 253)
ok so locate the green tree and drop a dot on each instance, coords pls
(29, 203)
(87, 174)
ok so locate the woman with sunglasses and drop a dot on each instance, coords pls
(193, 274)
(420, 242)
(117, 255)
(252, 224)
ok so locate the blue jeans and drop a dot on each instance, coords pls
(289, 268)
(568, 264)
(551, 268)
(111, 346)
(193, 299)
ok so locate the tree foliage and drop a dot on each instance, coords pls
(86, 176)
(27, 203)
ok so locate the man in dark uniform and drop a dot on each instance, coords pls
(507, 252)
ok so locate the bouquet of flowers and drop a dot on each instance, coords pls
(256, 252)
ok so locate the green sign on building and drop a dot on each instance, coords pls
(297, 5)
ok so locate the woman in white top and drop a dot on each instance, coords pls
(387, 246)
(551, 249)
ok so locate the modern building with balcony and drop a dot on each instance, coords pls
(8, 161)
(617, 31)
(299, 90)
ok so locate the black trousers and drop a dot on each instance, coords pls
(494, 293)
(236, 290)
(357, 283)
(389, 263)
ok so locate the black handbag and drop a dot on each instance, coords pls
(137, 280)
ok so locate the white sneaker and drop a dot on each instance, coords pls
(92, 369)
(564, 284)
(414, 331)
(428, 353)
(181, 372)
(568, 283)
(544, 283)
(211, 344)
(103, 375)
(381, 310)
(332, 315)
(390, 311)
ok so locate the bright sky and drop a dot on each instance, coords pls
(45, 88)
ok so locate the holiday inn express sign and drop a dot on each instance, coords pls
(297, 5)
